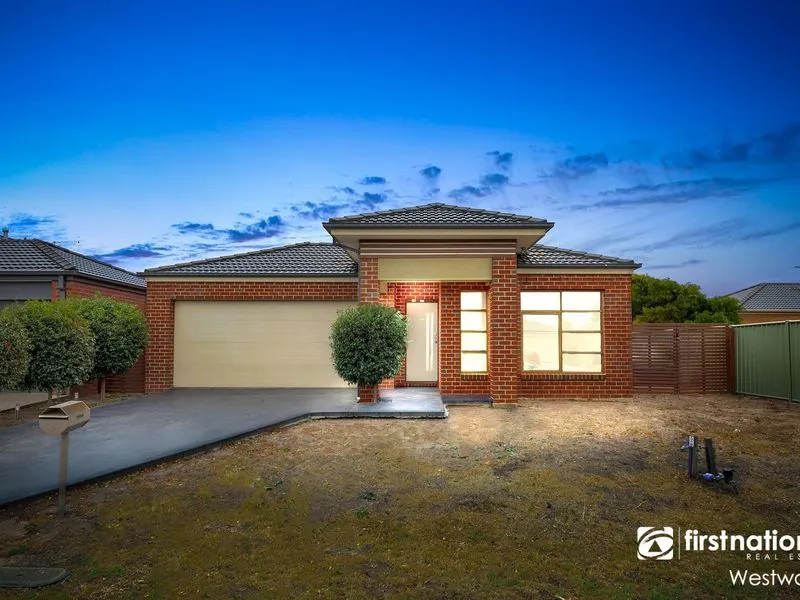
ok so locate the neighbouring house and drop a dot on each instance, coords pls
(491, 311)
(769, 302)
(32, 269)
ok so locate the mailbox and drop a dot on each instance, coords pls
(64, 417)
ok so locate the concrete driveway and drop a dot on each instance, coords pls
(149, 429)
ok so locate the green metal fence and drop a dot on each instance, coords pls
(768, 359)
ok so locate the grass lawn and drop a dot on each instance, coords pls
(542, 501)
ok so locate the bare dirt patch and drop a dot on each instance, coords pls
(538, 502)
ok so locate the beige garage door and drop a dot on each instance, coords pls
(255, 344)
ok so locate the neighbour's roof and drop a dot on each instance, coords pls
(552, 257)
(767, 297)
(297, 260)
(37, 257)
(438, 215)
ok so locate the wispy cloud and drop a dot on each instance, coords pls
(697, 237)
(373, 180)
(468, 191)
(489, 184)
(261, 229)
(431, 173)
(320, 211)
(134, 251)
(578, 166)
(494, 180)
(28, 225)
(502, 160)
(731, 231)
(686, 263)
(777, 146)
(675, 192)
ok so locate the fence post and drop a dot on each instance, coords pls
(731, 347)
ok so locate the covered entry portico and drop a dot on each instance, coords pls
(457, 283)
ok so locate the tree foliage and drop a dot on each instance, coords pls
(665, 301)
(15, 347)
(368, 343)
(62, 345)
(120, 332)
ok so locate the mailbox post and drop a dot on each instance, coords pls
(60, 419)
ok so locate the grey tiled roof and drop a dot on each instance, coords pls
(32, 257)
(330, 260)
(550, 256)
(438, 215)
(297, 260)
(769, 297)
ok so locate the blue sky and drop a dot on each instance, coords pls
(149, 133)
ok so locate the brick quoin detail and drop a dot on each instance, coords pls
(616, 381)
(133, 380)
(160, 310)
(504, 327)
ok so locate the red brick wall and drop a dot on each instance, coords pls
(616, 381)
(133, 380)
(504, 331)
(161, 297)
(451, 381)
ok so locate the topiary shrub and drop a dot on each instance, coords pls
(368, 343)
(62, 345)
(15, 346)
(120, 332)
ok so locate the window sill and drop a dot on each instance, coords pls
(474, 376)
(558, 376)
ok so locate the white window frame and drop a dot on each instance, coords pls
(484, 331)
(559, 314)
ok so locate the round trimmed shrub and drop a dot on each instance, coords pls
(15, 347)
(62, 345)
(120, 332)
(368, 343)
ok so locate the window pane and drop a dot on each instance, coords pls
(540, 342)
(540, 300)
(540, 323)
(473, 321)
(581, 300)
(473, 341)
(473, 300)
(581, 321)
(473, 363)
(581, 342)
(586, 363)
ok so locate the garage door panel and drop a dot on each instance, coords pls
(254, 344)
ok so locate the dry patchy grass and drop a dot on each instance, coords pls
(537, 502)
(31, 412)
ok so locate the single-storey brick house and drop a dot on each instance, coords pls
(32, 269)
(769, 302)
(491, 311)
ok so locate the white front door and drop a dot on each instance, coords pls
(422, 357)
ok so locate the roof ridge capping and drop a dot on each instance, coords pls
(395, 218)
(47, 249)
(51, 246)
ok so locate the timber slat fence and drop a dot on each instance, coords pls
(682, 358)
